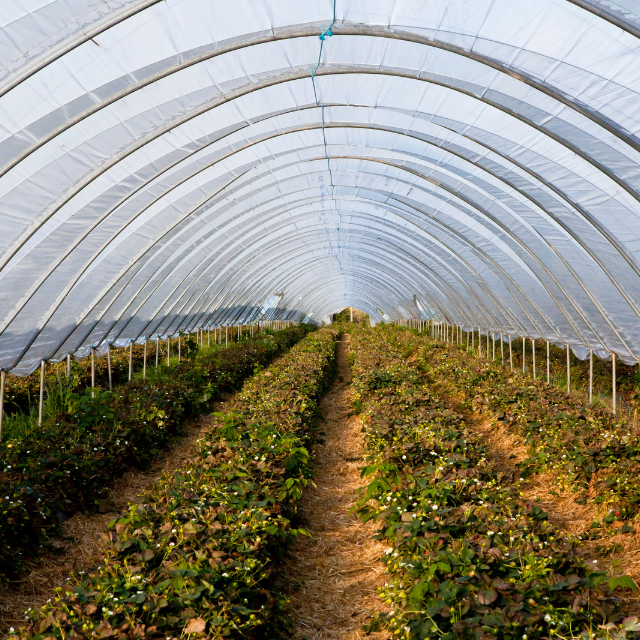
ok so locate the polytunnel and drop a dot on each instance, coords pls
(168, 165)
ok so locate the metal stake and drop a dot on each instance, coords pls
(93, 372)
(501, 350)
(613, 380)
(3, 375)
(157, 351)
(179, 346)
(590, 376)
(144, 362)
(168, 351)
(510, 353)
(68, 368)
(130, 359)
(524, 344)
(467, 341)
(568, 371)
(41, 393)
(548, 374)
(493, 336)
(109, 366)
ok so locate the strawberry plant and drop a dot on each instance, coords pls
(468, 557)
(67, 465)
(196, 555)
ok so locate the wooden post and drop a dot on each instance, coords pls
(510, 353)
(568, 371)
(130, 360)
(109, 366)
(533, 352)
(40, 409)
(613, 380)
(93, 372)
(3, 376)
(590, 376)
(144, 362)
(548, 372)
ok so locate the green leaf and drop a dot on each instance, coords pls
(624, 582)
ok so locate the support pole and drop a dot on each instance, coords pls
(510, 353)
(109, 366)
(130, 360)
(568, 371)
(179, 346)
(548, 371)
(590, 376)
(467, 341)
(351, 310)
(533, 352)
(501, 351)
(524, 345)
(157, 351)
(93, 372)
(3, 376)
(473, 339)
(168, 351)
(493, 336)
(144, 362)
(68, 368)
(40, 408)
(613, 380)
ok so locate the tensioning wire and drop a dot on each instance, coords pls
(326, 33)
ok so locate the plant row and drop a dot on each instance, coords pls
(68, 464)
(468, 557)
(196, 555)
(21, 393)
(586, 448)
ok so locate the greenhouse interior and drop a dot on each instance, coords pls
(319, 319)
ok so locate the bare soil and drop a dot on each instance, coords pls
(338, 569)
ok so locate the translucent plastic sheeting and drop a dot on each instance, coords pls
(166, 166)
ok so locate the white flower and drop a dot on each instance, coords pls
(547, 618)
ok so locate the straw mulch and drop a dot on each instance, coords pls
(84, 537)
(337, 570)
(506, 450)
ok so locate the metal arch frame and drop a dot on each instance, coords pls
(534, 307)
(255, 86)
(534, 256)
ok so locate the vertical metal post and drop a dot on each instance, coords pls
(40, 408)
(130, 360)
(548, 365)
(168, 351)
(179, 346)
(590, 376)
(524, 344)
(93, 372)
(3, 376)
(467, 341)
(568, 370)
(613, 380)
(533, 352)
(144, 362)
(501, 351)
(510, 353)
(157, 351)
(109, 366)
(68, 368)
(493, 335)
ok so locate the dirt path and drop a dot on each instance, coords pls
(338, 569)
(83, 543)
